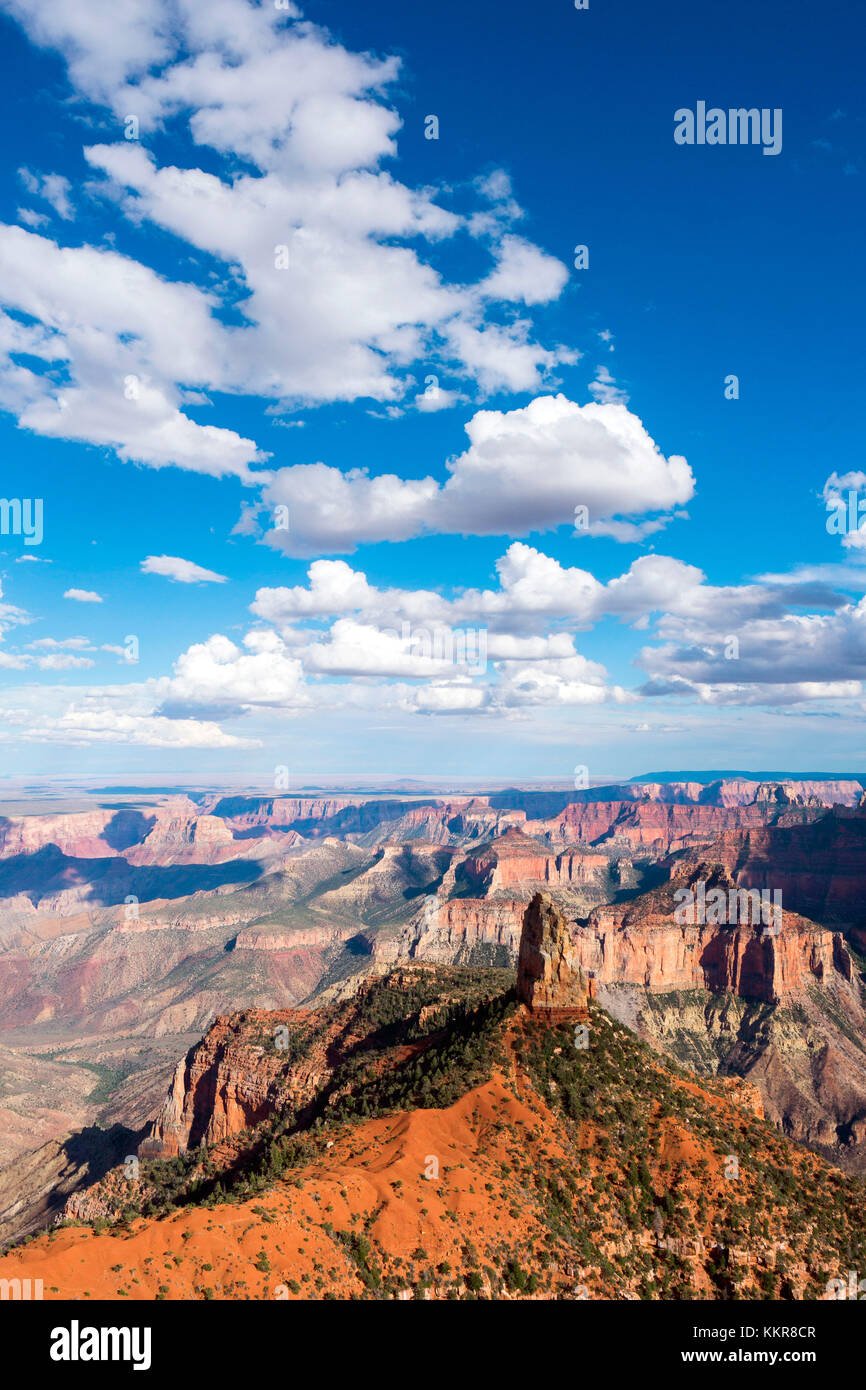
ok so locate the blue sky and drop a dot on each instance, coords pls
(204, 425)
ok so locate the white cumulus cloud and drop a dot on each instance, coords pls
(182, 571)
(83, 595)
(525, 470)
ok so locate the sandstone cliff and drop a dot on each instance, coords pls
(549, 979)
(781, 1006)
(819, 866)
(641, 943)
(234, 1078)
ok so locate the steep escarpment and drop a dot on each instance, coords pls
(475, 913)
(755, 951)
(819, 867)
(170, 831)
(252, 1064)
(235, 1077)
(779, 1002)
(661, 828)
(514, 859)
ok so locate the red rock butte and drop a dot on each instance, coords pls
(550, 981)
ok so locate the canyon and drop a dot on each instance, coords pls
(131, 930)
(370, 1148)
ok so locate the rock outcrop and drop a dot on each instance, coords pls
(779, 1003)
(234, 1078)
(514, 860)
(549, 979)
(659, 828)
(642, 943)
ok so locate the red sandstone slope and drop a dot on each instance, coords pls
(566, 1172)
(372, 1181)
(462, 1234)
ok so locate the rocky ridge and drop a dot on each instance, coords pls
(558, 1171)
(278, 902)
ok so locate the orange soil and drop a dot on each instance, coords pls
(372, 1178)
